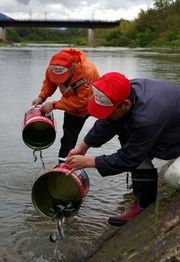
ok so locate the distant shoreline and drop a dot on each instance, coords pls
(103, 48)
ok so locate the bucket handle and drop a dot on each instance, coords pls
(45, 114)
(62, 159)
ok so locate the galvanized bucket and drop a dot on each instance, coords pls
(38, 129)
(54, 188)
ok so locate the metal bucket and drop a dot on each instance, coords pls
(38, 129)
(53, 188)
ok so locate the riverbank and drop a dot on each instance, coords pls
(153, 236)
(103, 48)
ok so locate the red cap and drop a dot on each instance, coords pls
(59, 67)
(109, 91)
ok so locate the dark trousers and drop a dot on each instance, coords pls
(144, 179)
(71, 128)
(145, 186)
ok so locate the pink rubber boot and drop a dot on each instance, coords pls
(128, 215)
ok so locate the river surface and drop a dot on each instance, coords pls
(23, 232)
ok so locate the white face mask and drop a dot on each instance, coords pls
(59, 69)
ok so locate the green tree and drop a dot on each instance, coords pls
(146, 38)
(159, 4)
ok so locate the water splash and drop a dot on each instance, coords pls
(61, 211)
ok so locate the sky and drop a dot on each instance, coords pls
(108, 10)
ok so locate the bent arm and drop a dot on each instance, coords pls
(132, 154)
(48, 89)
(76, 102)
(102, 132)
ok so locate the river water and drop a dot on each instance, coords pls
(23, 232)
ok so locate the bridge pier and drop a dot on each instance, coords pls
(90, 36)
(2, 34)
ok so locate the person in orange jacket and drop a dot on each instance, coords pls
(71, 72)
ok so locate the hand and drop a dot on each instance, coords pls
(78, 162)
(47, 107)
(79, 150)
(39, 100)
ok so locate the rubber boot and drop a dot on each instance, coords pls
(144, 183)
(125, 217)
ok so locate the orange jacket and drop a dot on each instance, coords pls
(74, 101)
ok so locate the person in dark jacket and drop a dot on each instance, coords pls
(145, 114)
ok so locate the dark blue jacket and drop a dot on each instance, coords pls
(151, 129)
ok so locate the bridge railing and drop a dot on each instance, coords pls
(59, 23)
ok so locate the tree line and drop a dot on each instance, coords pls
(156, 27)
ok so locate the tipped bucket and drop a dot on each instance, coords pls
(54, 188)
(38, 129)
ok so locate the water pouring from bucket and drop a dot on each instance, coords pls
(57, 196)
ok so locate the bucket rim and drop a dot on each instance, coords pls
(39, 119)
(58, 169)
(62, 170)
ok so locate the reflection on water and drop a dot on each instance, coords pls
(22, 229)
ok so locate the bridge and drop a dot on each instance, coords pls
(90, 24)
